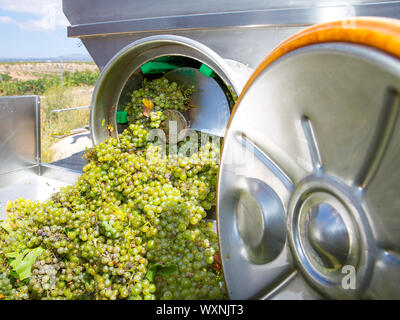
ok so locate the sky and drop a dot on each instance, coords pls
(35, 29)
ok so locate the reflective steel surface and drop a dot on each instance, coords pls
(176, 125)
(104, 10)
(36, 183)
(328, 235)
(318, 132)
(237, 30)
(210, 113)
(19, 132)
(295, 15)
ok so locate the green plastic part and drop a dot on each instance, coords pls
(157, 67)
(207, 71)
(121, 116)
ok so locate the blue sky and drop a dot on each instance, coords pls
(35, 29)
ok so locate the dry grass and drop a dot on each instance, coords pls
(62, 122)
(55, 98)
(34, 70)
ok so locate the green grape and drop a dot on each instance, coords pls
(126, 213)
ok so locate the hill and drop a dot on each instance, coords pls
(68, 57)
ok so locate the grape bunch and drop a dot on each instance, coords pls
(133, 226)
(165, 95)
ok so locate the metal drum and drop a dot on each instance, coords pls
(122, 73)
(308, 203)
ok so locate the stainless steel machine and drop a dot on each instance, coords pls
(307, 193)
(22, 174)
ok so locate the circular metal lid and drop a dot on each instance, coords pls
(308, 203)
(175, 126)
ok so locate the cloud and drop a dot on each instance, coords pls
(49, 14)
(6, 20)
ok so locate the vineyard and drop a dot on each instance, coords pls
(12, 87)
(70, 88)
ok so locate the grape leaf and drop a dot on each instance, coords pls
(18, 256)
(14, 274)
(148, 106)
(159, 269)
(23, 261)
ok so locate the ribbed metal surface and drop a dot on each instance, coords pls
(313, 143)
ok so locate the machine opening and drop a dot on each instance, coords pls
(212, 99)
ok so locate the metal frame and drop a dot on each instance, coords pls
(254, 18)
(28, 176)
(69, 109)
(21, 116)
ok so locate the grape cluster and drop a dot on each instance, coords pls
(163, 94)
(133, 226)
(156, 118)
